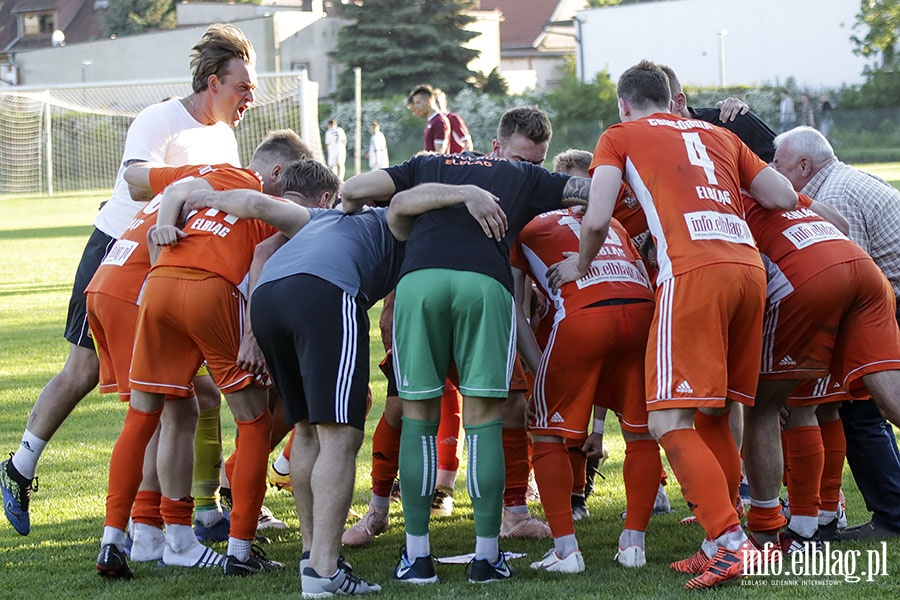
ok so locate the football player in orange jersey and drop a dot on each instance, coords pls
(687, 175)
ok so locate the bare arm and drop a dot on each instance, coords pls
(604, 190)
(287, 217)
(173, 199)
(529, 350)
(593, 445)
(374, 186)
(386, 321)
(137, 176)
(250, 357)
(730, 108)
(773, 190)
(831, 214)
(152, 248)
(409, 204)
(577, 191)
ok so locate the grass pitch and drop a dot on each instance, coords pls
(41, 240)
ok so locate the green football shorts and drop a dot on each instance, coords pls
(442, 315)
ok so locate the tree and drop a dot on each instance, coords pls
(399, 43)
(492, 83)
(880, 20)
(577, 102)
(126, 17)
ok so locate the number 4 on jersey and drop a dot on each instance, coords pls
(698, 156)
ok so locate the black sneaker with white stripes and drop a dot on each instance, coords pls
(257, 562)
(111, 563)
(342, 583)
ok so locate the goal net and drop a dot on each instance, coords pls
(71, 137)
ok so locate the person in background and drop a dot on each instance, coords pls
(460, 140)
(378, 150)
(786, 111)
(336, 148)
(422, 102)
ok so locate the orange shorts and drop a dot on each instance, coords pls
(112, 322)
(868, 340)
(813, 392)
(840, 320)
(595, 356)
(519, 381)
(706, 338)
(187, 316)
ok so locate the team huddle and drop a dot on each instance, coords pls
(721, 298)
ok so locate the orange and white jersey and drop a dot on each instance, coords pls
(687, 175)
(217, 242)
(796, 244)
(123, 271)
(614, 272)
(628, 212)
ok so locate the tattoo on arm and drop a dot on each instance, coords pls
(577, 189)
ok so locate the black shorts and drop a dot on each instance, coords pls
(95, 251)
(315, 338)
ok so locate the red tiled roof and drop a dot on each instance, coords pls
(76, 18)
(523, 20)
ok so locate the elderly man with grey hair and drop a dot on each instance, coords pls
(872, 207)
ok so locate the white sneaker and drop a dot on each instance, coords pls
(573, 563)
(195, 556)
(632, 557)
(442, 501)
(269, 521)
(342, 583)
(661, 505)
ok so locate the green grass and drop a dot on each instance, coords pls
(887, 171)
(41, 240)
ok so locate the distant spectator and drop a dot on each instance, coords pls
(378, 151)
(825, 118)
(336, 148)
(807, 111)
(786, 111)
(422, 102)
(460, 140)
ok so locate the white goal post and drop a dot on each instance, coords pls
(70, 137)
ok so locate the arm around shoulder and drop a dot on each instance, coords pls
(374, 186)
(773, 190)
(481, 204)
(831, 214)
(287, 217)
(137, 176)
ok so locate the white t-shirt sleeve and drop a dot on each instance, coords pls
(165, 133)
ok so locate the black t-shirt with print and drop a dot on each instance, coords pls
(450, 238)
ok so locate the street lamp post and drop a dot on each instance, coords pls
(84, 65)
(722, 34)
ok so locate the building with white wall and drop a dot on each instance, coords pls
(765, 41)
(288, 35)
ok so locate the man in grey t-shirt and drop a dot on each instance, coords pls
(335, 266)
